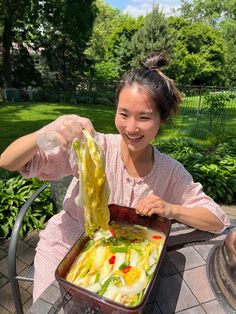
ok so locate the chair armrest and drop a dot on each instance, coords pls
(16, 230)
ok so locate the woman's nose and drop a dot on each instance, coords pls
(132, 126)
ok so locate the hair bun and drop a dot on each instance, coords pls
(155, 60)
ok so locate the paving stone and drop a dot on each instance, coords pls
(167, 267)
(3, 253)
(40, 307)
(152, 308)
(193, 310)
(4, 311)
(20, 266)
(51, 295)
(34, 241)
(30, 235)
(186, 258)
(213, 307)
(6, 299)
(27, 256)
(25, 284)
(21, 247)
(27, 305)
(174, 295)
(204, 250)
(4, 243)
(3, 280)
(197, 281)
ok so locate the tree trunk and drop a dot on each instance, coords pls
(6, 52)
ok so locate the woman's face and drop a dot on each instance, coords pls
(137, 118)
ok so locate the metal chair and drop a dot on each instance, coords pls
(58, 190)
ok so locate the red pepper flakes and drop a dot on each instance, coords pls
(112, 260)
(126, 269)
(157, 237)
(113, 232)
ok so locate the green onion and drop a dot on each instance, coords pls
(140, 227)
(123, 265)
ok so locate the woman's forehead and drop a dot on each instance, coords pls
(137, 96)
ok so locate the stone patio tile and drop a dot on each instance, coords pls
(4, 244)
(3, 253)
(204, 250)
(40, 307)
(51, 295)
(21, 247)
(34, 241)
(20, 266)
(174, 295)
(152, 308)
(6, 299)
(186, 258)
(167, 267)
(3, 280)
(213, 307)
(194, 310)
(25, 284)
(3, 310)
(27, 305)
(197, 281)
(27, 256)
(30, 235)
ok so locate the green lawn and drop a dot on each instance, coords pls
(17, 119)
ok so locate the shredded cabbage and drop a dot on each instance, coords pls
(119, 276)
(94, 190)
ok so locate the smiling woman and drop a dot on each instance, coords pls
(138, 175)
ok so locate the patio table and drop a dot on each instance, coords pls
(182, 286)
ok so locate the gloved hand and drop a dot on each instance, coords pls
(63, 131)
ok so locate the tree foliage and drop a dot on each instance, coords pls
(199, 56)
(67, 24)
(152, 35)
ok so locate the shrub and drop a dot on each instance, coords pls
(216, 171)
(14, 192)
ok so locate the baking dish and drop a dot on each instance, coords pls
(80, 300)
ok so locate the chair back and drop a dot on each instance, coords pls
(58, 189)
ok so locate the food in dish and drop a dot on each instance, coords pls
(118, 263)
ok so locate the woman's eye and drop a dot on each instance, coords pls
(123, 114)
(145, 118)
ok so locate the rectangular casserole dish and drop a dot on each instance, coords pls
(80, 300)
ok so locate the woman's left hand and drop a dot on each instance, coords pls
(153, 204)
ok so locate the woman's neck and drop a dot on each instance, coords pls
(137, 164)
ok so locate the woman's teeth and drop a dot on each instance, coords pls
(134, 137)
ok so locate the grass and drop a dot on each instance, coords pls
(18, 119)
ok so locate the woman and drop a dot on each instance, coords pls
(138, 175)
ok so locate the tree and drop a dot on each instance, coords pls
(152, 35)
(38, 23)
(18, 18)
(228, 27)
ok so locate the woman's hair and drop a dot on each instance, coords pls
(151, 79)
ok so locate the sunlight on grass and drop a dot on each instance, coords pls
(18, 119)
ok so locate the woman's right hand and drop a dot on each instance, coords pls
(63, 131)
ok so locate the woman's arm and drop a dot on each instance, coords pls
(18, 153)
(60, 132)
(197, 217)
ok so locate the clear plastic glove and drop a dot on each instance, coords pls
(63, 131)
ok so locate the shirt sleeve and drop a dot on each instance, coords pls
(51, 165)
(56, 163)
(190, 194)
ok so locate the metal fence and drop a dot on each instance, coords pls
(208, 108)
